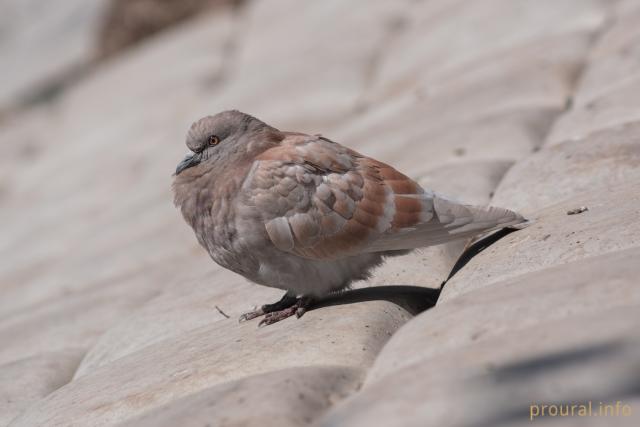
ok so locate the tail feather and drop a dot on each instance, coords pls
(450, 221)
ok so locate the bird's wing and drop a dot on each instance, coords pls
(321, 200)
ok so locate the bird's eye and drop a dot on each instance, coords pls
(213, 140)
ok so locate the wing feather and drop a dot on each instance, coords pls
(321, 200)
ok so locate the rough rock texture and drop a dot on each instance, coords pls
(290, 397)
(110, 313)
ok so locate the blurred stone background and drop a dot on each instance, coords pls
(109, 309)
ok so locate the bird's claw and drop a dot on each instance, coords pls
(276, 312)
(251, 315)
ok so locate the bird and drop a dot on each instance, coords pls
(305, 214)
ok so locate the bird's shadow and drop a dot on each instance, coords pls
(477, 247)
(414, 299)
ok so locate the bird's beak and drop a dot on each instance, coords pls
(187, 162)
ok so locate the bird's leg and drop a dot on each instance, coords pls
(286, 301)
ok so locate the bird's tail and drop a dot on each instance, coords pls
(451, 221)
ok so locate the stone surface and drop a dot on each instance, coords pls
(445, 48)
(128, 22)
(291, 397)
(285, 74)
(580, 359)
(39, 49)
(462, 103)
(614, 60)
(596, 165)
(513, 305)
(623, 7)
(501, 137)
(180, 365)
(75, 321)
(26, 381)
(616, 108)
(111, 314)
(174, 312)
(556, 238)
(607, 95)
(599, 172)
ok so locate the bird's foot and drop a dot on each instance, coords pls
(298, 308)
(286, 307)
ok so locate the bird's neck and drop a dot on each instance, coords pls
(201, 196)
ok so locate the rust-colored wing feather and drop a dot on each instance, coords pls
(321, 200)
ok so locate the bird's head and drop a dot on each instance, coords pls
(217, 136)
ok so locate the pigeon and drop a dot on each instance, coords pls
(305, 214)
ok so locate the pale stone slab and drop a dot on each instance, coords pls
(494, 382)
(527, 90)
(624, 7)
(499, 109)
(614, 61)
(340, 335)
(20, 144)
(555, 238)
(42, 42)
(607, 94)
(25, 381)
(503, 137)
(472, 182)
(599, 172)
(291, 397)
(574, 289)
(179, 309)
(454, 35)
(614, 109)
(617, 37)
(78, 319)
(283, 71)
(595, 165)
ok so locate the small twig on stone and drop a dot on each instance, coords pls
(577, 210)
(221, 312)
